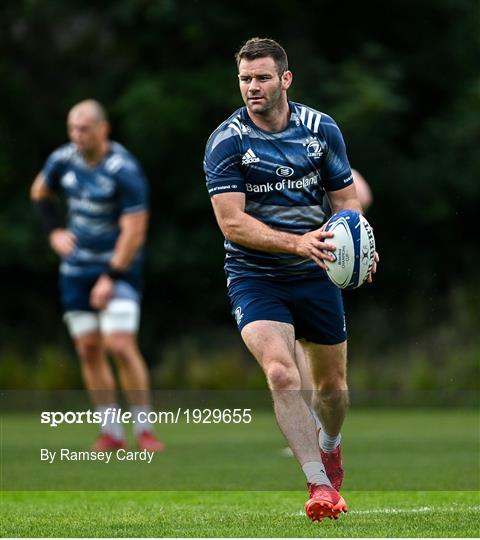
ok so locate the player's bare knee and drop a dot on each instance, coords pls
(333, 384)
(280, 376)
(89, 349)
(332, 395)
(119, 347)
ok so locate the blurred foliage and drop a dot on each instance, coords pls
(400, 78)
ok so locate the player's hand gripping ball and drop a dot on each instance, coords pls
(355, 249)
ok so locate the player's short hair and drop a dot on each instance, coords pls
(97, 110)
(261, 48)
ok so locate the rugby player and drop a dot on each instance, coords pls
(101, 255)
(269, 168)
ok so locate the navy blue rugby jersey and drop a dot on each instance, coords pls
(285, 177)
(96, 198)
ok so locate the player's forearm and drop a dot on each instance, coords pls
(127, 246)
(252, 233)
(45, 204)
(351, 203)
(133, 233)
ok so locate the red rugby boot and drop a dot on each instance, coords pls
(107, 442)
(148, 441)
(325, 501)
(333, 466)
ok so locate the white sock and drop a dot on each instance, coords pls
(141, 424)
(315, 473)
(327, 442)
(111, 427)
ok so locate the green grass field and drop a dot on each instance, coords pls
(411, 473)
(236, 514)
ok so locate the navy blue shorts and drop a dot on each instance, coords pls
(312, 304)
(75, 290)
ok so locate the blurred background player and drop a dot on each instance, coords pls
(364, 193)
(268, 168)
(100, 262)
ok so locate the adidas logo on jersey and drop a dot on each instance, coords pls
(249, 157)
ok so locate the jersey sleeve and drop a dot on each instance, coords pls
(337, 173)
(132, 188)
(53, 169)
(222, 163)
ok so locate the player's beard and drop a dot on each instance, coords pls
(269, 105)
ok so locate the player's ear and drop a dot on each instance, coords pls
(286, 78)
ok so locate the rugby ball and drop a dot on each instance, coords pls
(355, 249)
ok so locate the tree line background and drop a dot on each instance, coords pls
(401, 79)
